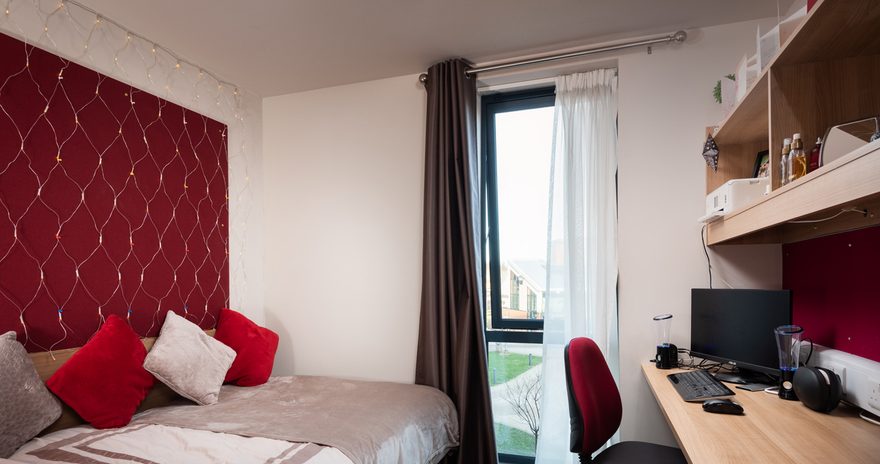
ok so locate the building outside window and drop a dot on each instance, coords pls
(531, 304)
(514, 292)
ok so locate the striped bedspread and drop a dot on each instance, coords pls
(159, 444)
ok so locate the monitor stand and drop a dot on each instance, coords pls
(744, 376)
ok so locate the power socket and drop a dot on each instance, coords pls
(859, 377)
(841, 373)
(874, 398)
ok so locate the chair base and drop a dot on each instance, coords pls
(636, 452)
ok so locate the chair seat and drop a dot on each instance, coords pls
(640, 452)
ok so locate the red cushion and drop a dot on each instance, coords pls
(105, 381)
(593, 395)
(254, 347)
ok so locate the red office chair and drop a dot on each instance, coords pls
(595, 410)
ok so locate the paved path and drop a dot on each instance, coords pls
(502, 410)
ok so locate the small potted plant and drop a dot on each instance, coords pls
(725, 92)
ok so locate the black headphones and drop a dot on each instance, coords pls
(818, 388)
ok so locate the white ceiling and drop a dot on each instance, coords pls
(273, 47)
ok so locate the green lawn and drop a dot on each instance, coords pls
(503, 367)
(514, 441)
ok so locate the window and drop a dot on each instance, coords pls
(514, 292)
(532, 304)
(517, 131)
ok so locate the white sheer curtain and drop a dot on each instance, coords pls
(582, 243)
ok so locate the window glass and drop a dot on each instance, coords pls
(518, 137)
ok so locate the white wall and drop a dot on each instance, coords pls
(665, 104)
(343, 208)
(343, 188)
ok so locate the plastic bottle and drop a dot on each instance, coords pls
(783, 162)
(797, 158)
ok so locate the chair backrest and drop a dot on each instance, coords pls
(593, 399)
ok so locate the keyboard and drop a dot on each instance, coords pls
(698, 385)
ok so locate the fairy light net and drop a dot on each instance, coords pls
(112, 201)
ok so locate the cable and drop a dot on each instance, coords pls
(706, 250)
(871, 420)
(810, 354)
(847, 210)
(691, 363)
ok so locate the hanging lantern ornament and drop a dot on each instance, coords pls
(710, 153)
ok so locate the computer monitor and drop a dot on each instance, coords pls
(736, 326)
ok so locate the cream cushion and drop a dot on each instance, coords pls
(26, 406)
(189, 361)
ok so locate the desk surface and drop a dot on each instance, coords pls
(772, 430)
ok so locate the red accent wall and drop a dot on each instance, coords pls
(112, 201)
(835, 283)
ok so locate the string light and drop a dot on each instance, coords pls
(99, 36)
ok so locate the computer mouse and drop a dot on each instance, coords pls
(722, 406)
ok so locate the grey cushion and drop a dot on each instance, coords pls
(641, 453)
(26, 406)
(189, 361)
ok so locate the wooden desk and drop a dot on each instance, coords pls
(772, 430)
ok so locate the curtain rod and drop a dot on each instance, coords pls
(678, 37)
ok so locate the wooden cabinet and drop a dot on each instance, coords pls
(827, 73)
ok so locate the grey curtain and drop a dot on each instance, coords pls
(452, 348)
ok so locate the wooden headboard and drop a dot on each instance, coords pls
(46, 363)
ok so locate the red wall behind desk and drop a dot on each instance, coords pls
(835, 283)
(112, 201)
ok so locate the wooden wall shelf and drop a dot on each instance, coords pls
(836, 29)
(747, 122)
(851, 182)
(827, 73)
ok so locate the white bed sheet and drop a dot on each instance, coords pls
(159, 444)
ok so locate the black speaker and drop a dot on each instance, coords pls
(667, 357)
(818, 388)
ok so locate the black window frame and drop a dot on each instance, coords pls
(491, 105)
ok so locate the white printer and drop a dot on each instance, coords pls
(733, 195)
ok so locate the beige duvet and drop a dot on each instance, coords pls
(370, 422)
(299, 420)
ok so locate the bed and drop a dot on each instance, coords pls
(299, 419)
